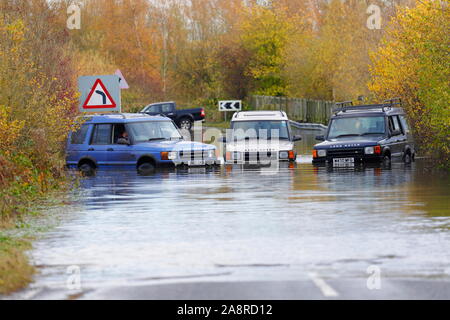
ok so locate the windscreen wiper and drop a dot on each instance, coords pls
(156, 139)
(369, 133)
(347, 135)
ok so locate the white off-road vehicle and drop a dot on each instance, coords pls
(258, 137)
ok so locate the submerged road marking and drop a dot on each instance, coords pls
(324, 287)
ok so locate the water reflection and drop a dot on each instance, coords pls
(236, 224)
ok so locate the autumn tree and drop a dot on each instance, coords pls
(413, 62)
(265, 33)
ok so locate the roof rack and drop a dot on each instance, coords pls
(393, 102)
(113, 114)
(124, 115)
(386, 105)
(154, 115)
(344, 104)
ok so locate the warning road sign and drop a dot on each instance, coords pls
(99, 97)
(99, 93)
(122, 82)
(235, 105)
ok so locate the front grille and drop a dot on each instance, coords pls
(346, 153)
(193, 155)
(258, 156)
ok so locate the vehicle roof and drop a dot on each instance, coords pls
(367, 110)
(259, 115)
(123, 118)
(164, 102)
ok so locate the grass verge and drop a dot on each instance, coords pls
(221, 125)
(24, 214)
(15, 269)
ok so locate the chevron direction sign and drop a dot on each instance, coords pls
(230, 105)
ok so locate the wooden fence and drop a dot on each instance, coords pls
(300, 110)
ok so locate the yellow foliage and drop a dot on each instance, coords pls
(9, 129)
(265, 33)
(414, 62)
(36, 112)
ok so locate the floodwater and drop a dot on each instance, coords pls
(249, 224)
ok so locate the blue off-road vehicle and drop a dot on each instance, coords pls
(369, 133)
(137, 141)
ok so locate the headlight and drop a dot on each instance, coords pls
(211, 153)
(369, 150)
(321, 153)
(173, 155)
(236, 155)
(284, 154)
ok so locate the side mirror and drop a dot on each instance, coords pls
(320, 138)
(297, 138)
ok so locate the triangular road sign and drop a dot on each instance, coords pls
(122, 82)
(99, 97)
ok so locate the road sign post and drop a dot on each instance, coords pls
(100, 93)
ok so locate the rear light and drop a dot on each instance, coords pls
(202, 113)
(377, 150)
(315, 155)
(228, 156)
(291, 155)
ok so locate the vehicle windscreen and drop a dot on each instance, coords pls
(356, 126)
(153, 131)
(260, 130)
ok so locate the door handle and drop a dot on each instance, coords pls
(91, 149)
(110, 149)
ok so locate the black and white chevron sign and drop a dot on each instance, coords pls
(235, 105)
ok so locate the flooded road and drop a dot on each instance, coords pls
(231, 225)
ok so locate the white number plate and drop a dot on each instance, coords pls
(344, 162)
(196, 163)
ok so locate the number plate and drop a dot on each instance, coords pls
(196, 163)
(344, 162)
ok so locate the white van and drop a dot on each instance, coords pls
(260, 136)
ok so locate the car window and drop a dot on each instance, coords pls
(404, 124)
(356, 126)
(118, 130)
(156, 108)
(260, 129)
(394, 125)
(153, 130)
(167, 107)
(79, 136)
(102, 134)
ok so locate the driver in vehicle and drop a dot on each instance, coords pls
(123, 139)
